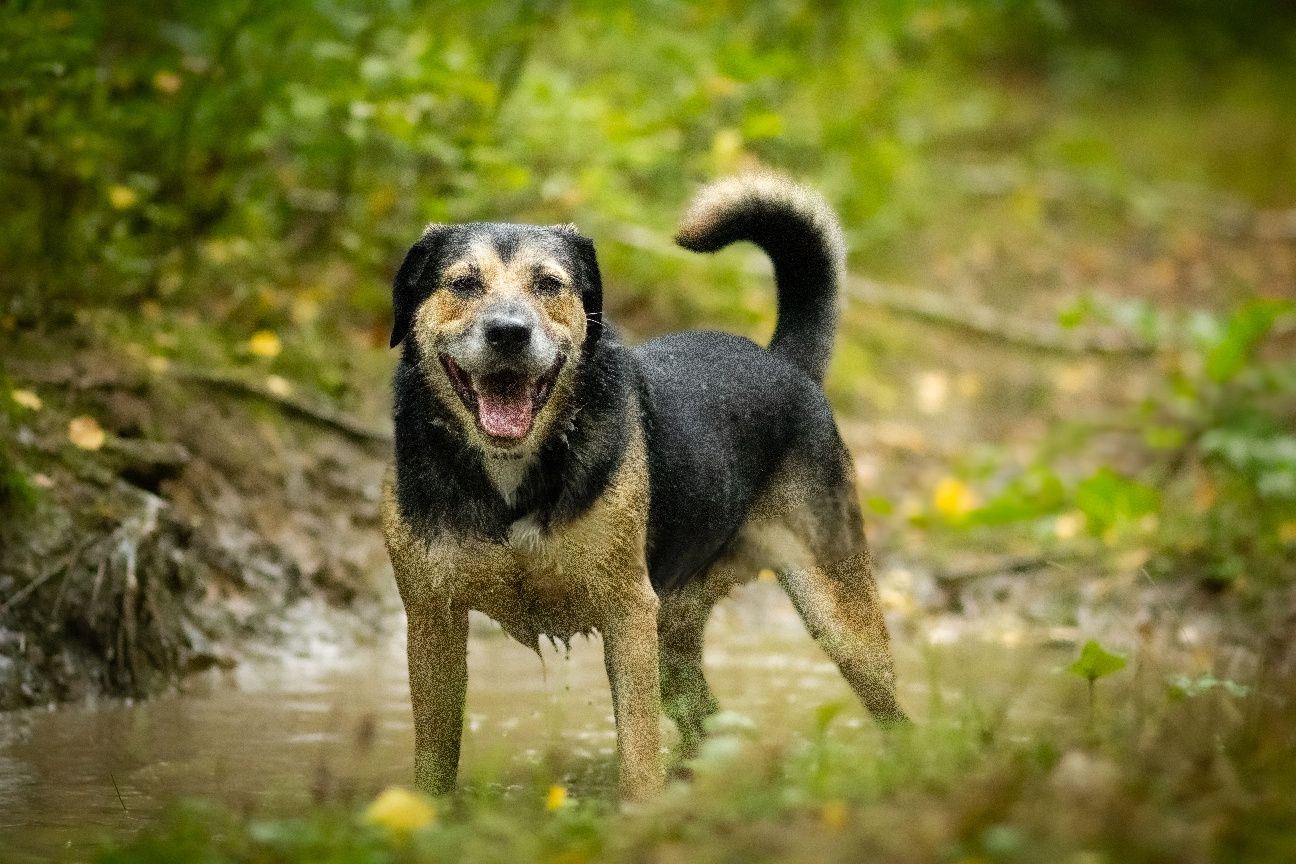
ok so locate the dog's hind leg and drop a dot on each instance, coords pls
(686, 697)
(838, 601)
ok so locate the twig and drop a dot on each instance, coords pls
(1025, 564)
(120, 800)
(987, 323)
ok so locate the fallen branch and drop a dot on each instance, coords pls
(1228, 215)
(1005, 567)
(26, 591)
(308, 409)
(934, 308)
(237, 384)
(987, 323)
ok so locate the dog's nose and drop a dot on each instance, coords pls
(507, 333)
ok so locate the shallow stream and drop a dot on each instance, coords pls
(335, 726)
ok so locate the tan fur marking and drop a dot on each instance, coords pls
(445, 315)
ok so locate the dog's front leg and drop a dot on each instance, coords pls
(438, 676)
(630, 654)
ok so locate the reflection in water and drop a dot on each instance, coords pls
(276, 736)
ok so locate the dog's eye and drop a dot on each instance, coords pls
(466, 285)
(547, 284)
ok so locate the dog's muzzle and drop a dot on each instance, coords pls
(504, 371)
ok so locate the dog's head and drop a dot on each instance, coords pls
(502, 316)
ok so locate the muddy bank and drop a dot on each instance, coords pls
(177, 542)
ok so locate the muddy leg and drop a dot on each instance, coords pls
(630, 654)
(686, 696)
(438, 674)
(838, 602)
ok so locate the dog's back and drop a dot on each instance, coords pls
(723, 416)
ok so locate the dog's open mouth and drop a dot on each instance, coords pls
(504, 403)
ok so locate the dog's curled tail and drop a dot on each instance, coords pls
(798, 230)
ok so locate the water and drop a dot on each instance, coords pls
(273, 736)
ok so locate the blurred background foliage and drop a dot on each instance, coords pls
(184, 175)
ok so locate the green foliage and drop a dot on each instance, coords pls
(1246, 327)
(1096, 662)
(1108, 500)
(1207, 479)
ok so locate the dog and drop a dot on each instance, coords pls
(562, 482)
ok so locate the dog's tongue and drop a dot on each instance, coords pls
(505, 415)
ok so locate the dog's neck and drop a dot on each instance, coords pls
(446, 483)
(507, 470)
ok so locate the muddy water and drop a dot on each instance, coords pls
(272, 736)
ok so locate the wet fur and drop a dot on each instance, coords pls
(657, 478)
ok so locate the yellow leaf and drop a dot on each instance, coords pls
(556, 798)
(166, 81)
(1068, 526)
(954, 498)
(26, 399)
(86, 433)
(278, 385)
(122, 197)
(720, 86)
(401, 811)
(834, 815)
(265, 343)
(1287, 531)
(726, 148)
(931, 391)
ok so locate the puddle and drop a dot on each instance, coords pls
(269, 737)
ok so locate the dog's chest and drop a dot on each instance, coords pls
(547, 584)
(573, 578)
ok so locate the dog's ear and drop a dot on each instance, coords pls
(405, 288)
(592, 284)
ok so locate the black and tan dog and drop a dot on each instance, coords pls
(561, 483)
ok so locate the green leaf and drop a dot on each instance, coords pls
(1096, 662)
(1106, 498)
(1243, 334)
(825, 714)
(1072, 316)
(880, 505)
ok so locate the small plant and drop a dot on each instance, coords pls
(1187, 687)
(1093, 663)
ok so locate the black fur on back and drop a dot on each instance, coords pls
(722, 415)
